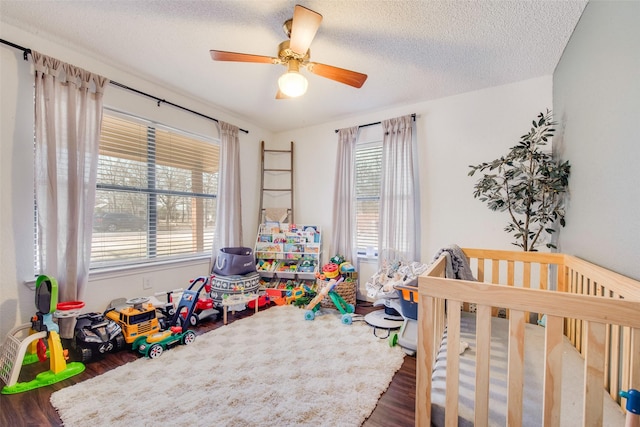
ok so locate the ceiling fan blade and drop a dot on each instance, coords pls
(221, 55)
(303, 29)
(348, 77)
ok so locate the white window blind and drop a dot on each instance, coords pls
(368, 175)
(156, 193)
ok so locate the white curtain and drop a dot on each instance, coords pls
(68, 116)
(344, 215)
(399, 232)
(229, 209)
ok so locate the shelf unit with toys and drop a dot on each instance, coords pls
(287, 259)
(288, 251)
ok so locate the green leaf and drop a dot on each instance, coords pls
(528, 183)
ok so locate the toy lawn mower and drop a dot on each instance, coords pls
(204, 305)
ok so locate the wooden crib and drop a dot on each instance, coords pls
(597, 311)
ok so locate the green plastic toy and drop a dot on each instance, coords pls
(17, 352)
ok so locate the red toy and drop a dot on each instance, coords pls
(330, 270)
(204, 305)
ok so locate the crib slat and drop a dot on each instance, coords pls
(635, 359)
(573, 288)
(510, 272)
(593, 372)
(495, 278)
(607, 357)
(425, 355)
(634, 363)
(526, 275)
(495, 271)
(515, 368)
(480, 274)
(616, 332)
(552, 371)
(626, 363)
(579, 335)
(562, 274)
(453, 363)
(510, 277)
(544, 276)
(571, 323)
(526, 281)
(483, 348)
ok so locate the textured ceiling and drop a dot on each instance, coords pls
(412, 51)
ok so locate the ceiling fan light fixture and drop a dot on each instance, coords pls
(293, 84)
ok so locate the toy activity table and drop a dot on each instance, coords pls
(238, 299)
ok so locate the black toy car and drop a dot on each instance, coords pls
(95, 335)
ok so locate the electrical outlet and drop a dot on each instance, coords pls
(147, 283)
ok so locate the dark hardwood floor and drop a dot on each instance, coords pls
(32, 408)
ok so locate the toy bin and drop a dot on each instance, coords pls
(408, 335)
(409, 301)
(346, 289)
(276, 296)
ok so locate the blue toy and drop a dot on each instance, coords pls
(633, 407)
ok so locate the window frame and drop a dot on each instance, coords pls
(152, 192)
(372, 143)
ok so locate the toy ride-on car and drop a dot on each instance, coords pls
(94, 335)
(153, 345)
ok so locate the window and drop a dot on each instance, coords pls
(155, 194)
(368, 176)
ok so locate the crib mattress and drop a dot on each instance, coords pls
(572, 379)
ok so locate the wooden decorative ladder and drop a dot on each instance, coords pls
(276, 181)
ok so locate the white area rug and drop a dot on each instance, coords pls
(271, 369)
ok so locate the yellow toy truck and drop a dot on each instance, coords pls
(137, 318)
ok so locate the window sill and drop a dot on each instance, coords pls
(129, 270)
(365, 257)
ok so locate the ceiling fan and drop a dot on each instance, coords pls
(294, 53)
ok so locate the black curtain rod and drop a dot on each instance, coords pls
(27, 51)
(162, 101)
(413, 116)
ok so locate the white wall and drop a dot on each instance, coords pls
(16, 172)
(452, 134)
(16, 177)
(596, 93)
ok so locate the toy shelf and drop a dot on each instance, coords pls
(288, 251)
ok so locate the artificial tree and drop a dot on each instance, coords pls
(528, 183)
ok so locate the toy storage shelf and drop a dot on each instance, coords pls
(288, 251)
